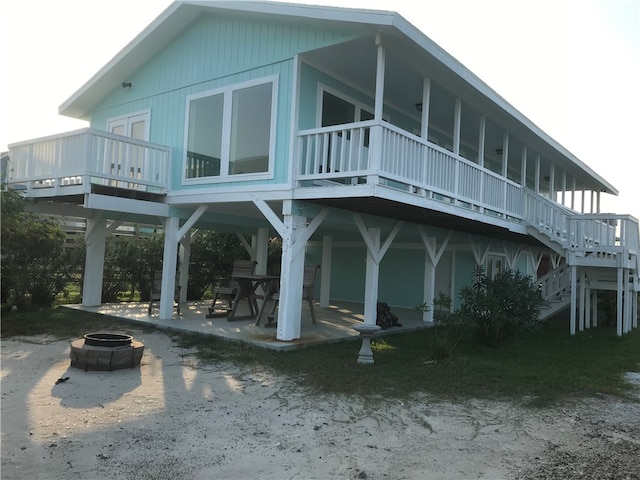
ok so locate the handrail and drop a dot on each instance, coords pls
(554, 282)
(89, 155)
(384, 153)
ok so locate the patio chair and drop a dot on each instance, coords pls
(156, 286)
(308, 284)
(228, 290)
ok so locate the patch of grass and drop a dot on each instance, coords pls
(60, 323)
(539, 368)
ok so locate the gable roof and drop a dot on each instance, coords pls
(180, 14)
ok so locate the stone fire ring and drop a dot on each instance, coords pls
(106, 352)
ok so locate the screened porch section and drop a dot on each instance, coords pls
(378, 153)
(381, 153)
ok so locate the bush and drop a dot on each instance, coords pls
(35, 265)
(448, 329)
(499, 308)
(212, 256)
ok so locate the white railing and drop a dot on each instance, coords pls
(547, 216)
(383, 153)
(600, 233)
(555, 282)
(604, 232)
(375, 152)
(89, 156)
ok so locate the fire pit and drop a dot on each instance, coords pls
(107, 339)
(106, 351)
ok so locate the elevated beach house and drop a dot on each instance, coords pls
(352, 136)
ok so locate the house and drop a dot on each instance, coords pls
(348, 133)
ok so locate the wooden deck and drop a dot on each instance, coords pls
(334, 323)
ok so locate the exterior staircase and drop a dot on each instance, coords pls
(555, 287)
(601, 250)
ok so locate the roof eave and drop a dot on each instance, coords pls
(476, 83)
(160, 32)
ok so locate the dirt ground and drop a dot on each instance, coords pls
(174, 418)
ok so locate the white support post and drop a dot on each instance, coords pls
(619, 303)
(626, 322)
(432, 258)
(291, 277)
(169, 260)
(634, 310)
(589, 303)
(295, 233)
(505, 154)
(523, 167)
(564, 188)
(262, 250)
(185, 257)
(583, 292)
(260, 245)
(325, 271)
(537, 186)
(482, 131)
(375, 253)
(457, 119)
(594, 309)
(574, 285)
(371, 279)
(552, 182)
(375, 144)
(429, 288)
(380, 67)
(426, 100)
(95, 241)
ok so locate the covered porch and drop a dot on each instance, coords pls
(334, 323)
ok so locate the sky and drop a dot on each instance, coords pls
(570, 66)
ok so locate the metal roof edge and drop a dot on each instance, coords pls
(182, 12)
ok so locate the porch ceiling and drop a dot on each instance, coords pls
(392, 210)
(408, 63)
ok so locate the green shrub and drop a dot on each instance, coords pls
(448, 329)
(35, 264)
(499, 308)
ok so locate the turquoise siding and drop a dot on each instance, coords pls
(215, 51)
(347, 273)
(402, 277)
(401, 280)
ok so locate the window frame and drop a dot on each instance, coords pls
(127, 119)
(358, 105)
(227, 91)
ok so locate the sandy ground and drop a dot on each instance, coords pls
(173, 418)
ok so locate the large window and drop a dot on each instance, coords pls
(230, 131)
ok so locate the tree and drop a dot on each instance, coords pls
(35, 265)
(212, 256)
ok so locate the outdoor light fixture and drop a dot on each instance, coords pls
(499, 151)
(419, 107)
(126, 84)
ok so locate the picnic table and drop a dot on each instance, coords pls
(253, 287)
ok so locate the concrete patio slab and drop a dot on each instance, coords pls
(334, 323)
